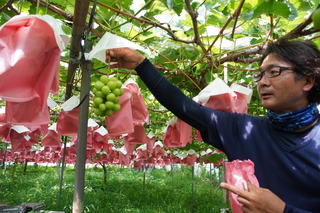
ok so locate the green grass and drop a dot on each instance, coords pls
(125, 190)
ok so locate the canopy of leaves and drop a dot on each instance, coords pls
(191, 42)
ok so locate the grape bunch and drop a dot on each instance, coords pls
(106, 96)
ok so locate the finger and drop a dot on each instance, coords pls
(231, 188)
(117, 52)
(113, 66)
(242, 200)
(112, 52)
(251, 187)
(108, 60)
(109, 53)
(245, 186)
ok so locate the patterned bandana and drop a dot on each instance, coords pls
(292, 121)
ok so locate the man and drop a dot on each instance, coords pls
(284, 146)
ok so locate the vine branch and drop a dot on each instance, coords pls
(236, 15)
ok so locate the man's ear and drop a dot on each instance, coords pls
(309, 83)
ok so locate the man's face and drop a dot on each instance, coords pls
(281, 94)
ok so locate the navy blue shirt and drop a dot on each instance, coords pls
(287, 163)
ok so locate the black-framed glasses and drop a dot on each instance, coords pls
(270, 72)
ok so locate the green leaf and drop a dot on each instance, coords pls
(175, 5)
(170, 4)
(294, 12)
(213, 158)
(32, 9)
(6, 16)
(213, 20)
(178, 6)
(194, 5)
(70, 9)
(2, 2)
(271, 7)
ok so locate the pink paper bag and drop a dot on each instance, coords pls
(223, 102)
(142, 154)
(139, 108)
(67, 123)
(18, 141)
(139, 135)
(29, 50)
(121, 122)
(240, 103)
(238, 172)
(150, 143)
(177, 134)
(124, 159)
(190, 160)
(158, 151)
(51, 139)
(130, 147)
(27, 113)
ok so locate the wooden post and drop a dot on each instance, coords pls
(79, 22)
(78, 195)
(62, 167)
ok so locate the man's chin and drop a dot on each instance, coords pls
(267, 106)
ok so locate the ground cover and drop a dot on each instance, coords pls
(125, 190)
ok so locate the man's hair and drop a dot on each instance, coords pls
(305, 57)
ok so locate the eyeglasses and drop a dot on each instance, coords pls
(270, 72)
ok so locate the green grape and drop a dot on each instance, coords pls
(105, 90)
(98, 85)
(102, 107)
(116, 91)
(98, 101)
(109, 104)
(118, 84)
(113, 79)
(116, 107)
(97, 112)
(111, 85)
(116, 100)
(94, 105)
(108, 112)
(99, 94)
(104, 79)
(106, 95)
(111, 97)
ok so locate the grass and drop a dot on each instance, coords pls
(125, 190)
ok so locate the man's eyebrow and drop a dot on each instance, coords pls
(269, 66)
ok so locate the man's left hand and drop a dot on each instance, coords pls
(255, 199)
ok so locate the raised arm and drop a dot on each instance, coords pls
(165, 92)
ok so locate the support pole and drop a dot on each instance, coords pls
(63, 165)
(79, 23)
(78, 195)
(192, 189)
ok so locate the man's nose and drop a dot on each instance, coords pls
(264, 80)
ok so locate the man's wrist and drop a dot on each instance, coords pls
(141, 64)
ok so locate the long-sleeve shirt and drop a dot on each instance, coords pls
(287, 163)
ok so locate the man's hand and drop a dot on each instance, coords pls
(125, 58)
(256, 200)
